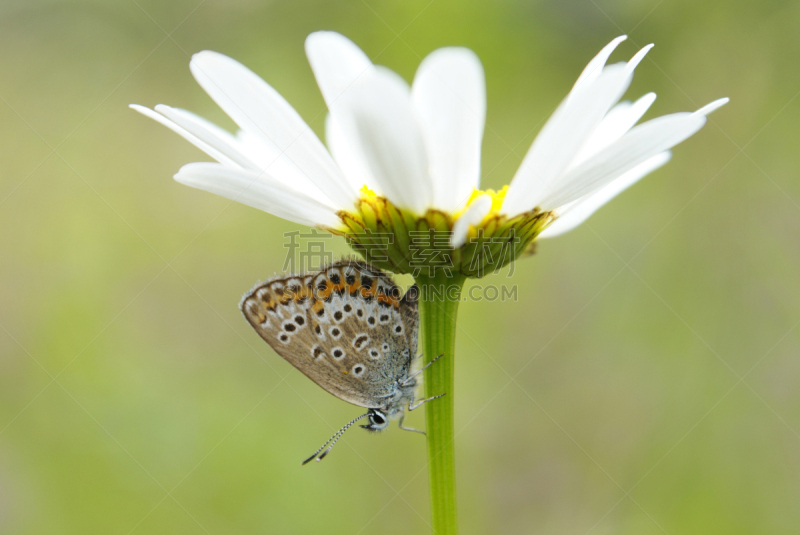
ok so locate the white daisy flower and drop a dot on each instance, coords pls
(406, 158)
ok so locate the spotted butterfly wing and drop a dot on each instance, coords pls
(409, 311)
(345, 327)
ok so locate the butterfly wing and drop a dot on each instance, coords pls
(409, 311)
(343, 327)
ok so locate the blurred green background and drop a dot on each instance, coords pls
(647, 380)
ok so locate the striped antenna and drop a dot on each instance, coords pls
(332, 441)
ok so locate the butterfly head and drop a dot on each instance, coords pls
(378, 420)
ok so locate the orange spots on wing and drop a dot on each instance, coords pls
(255, 311)
(326, 293)
(371, 290)
(317, 307)
(393, 301)
(269, 302)
(302, 295)
(339, 287)
(353, 287)
(378, 294)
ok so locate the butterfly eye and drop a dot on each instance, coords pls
(378, 419)
(338, 353)
(358, 370)
(385, 347)
(373, 353)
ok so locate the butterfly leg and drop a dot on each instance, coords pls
(404, 428)
(410, 377)
(412, 405)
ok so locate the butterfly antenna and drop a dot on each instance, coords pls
(332, 441)
(407, 379)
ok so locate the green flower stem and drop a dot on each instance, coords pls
(440, 296)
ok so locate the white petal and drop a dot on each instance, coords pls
(263, 154)
(638, 57)
(243, 151)
(194, 140)
(592, 71)
(209, 133)
(258, 109)
(337, 63)
(348, 158)
(268, 160)
(580, 210)
(712, 106)
(473, 215)
(258, 191)
(377, 123)
(562, 137)
(449, 96)
(641, 143)
(614, 125)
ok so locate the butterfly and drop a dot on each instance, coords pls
(347, 329)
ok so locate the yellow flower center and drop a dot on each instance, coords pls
(496, 196)
(404, 242)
